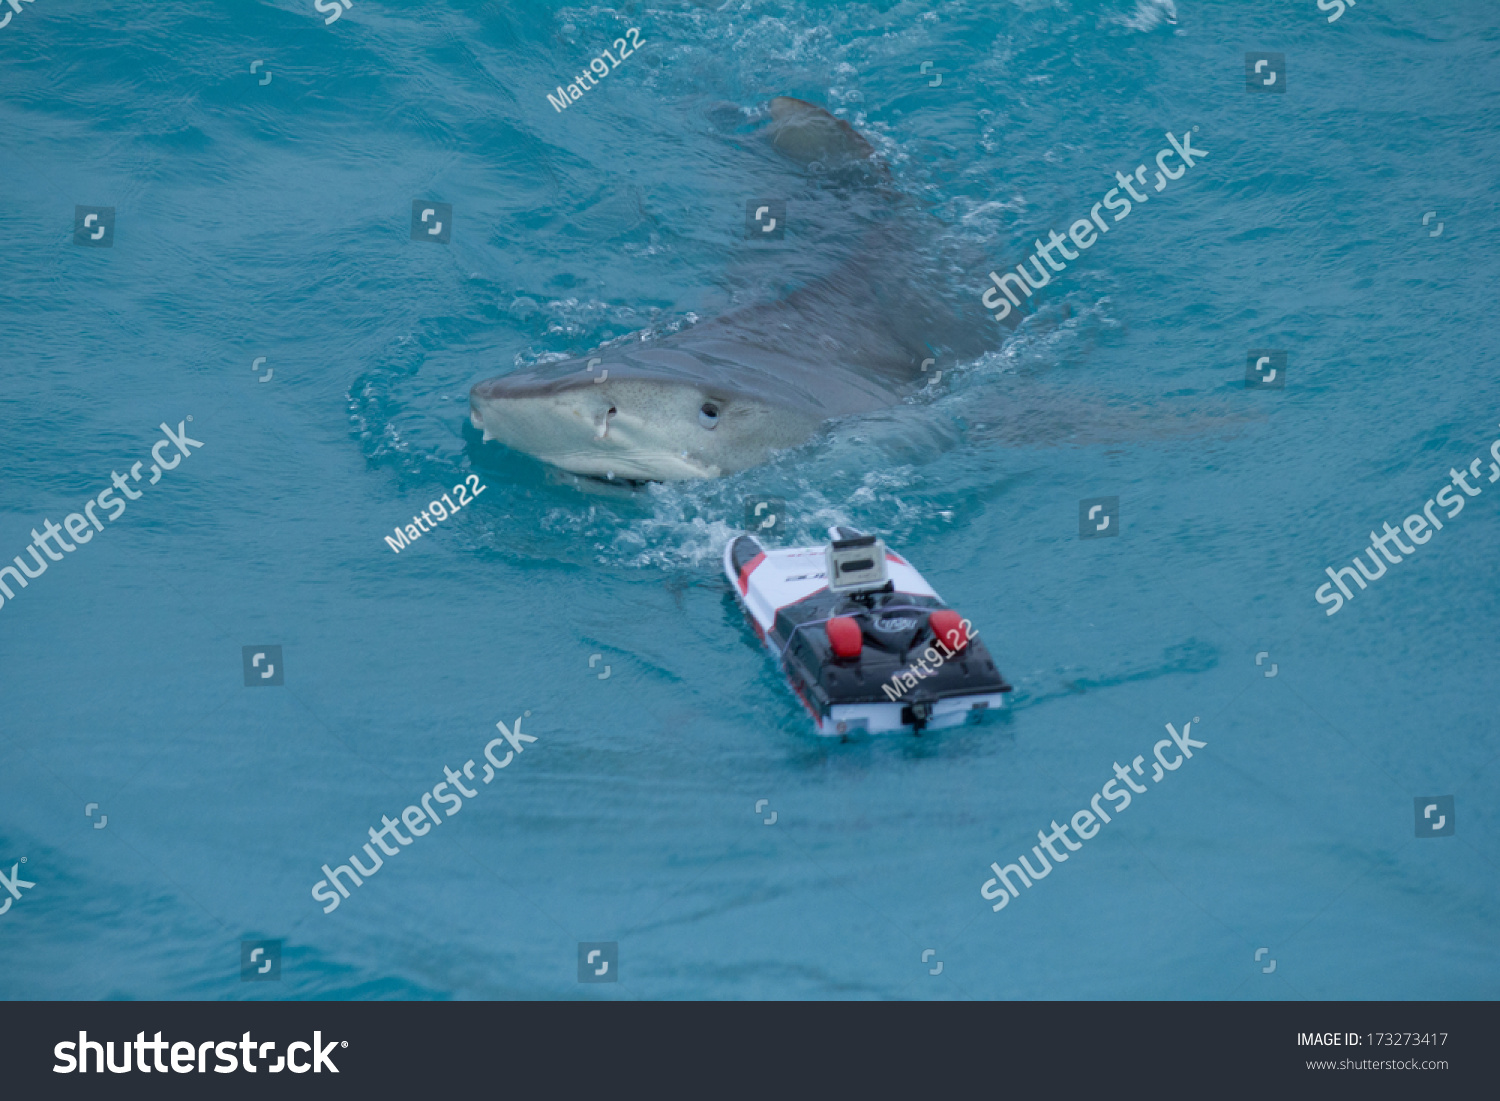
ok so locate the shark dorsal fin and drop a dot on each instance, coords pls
(806, 133)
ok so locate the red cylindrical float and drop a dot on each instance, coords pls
(845, 636)
(948, 626)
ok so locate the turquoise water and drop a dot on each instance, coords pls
(274, 220)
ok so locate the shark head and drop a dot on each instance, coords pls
(604, 420)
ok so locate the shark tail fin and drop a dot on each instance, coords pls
(807, 133)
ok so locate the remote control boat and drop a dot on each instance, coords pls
(866, 643)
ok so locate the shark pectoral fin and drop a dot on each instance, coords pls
(806, 133)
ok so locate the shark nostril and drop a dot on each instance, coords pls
(602, 428)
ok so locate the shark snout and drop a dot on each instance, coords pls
(521, 385)
(531, 416)
(598, 429)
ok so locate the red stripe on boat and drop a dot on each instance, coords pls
(749, 568)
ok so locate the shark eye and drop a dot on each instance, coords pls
(708, 415)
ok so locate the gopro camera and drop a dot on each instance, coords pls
(856, 565)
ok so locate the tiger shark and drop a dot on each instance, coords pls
(724, 395)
